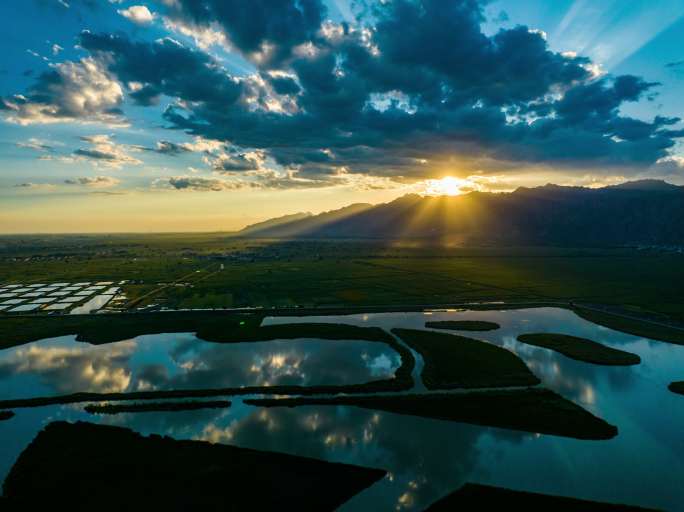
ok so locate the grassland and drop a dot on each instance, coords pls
(463, 325)
(453, 361)
(485, 497)
(84, 466)
(276, 273)
(581, 349)
(191, 405)
(529, 410)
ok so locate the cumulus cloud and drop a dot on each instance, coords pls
(236, 162)
(70, 91)
(264, 31)
(95, 182)
(411, 90)
(164, 67)
(104, 151)
(138, 14)
(198, 145)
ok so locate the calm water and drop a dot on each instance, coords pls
(181, 361)
(643, 465)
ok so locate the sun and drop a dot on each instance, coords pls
(447, 186)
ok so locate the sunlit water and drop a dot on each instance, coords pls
(427, 458)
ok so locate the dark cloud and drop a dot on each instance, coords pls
(284, 85)
(234, 163)
(424, 83)
(164, 67)
(264, 30)
(198, 183)
(95, 181)
(412, 88)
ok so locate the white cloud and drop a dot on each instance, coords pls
(138, 14)
(204, 36)
(73, 91)
(103, 151)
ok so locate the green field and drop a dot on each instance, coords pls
(215, 270)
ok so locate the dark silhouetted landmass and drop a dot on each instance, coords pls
(305, 225)
(581, 349)
(453, 361)
(634, 326)
(643, 212)
(485, 497)
(83, 466)
(463, 325)
(5, 415)
(277, 222)
(529, 410)
(156, 406)
(677, 387)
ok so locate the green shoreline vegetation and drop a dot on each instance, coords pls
(677, 387)
(485, 497)
(463, 325)
(530, 410)
(100, 467)
(156, 406)
(581, 349)
(453, 361)
(632, 326)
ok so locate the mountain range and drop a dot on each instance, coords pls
(647, 212)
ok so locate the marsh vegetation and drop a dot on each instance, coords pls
(581, 349)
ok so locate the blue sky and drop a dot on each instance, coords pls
(178, 115)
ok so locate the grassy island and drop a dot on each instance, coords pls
(463, 325)
(453, 361)
(485, 497)
(529, 410)
(581, 349)
(677, 387)
(156, 406)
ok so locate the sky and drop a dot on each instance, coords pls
(208, 115)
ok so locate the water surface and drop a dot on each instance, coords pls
(428, 458)
(182, 361)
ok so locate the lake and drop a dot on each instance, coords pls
(426, 458)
